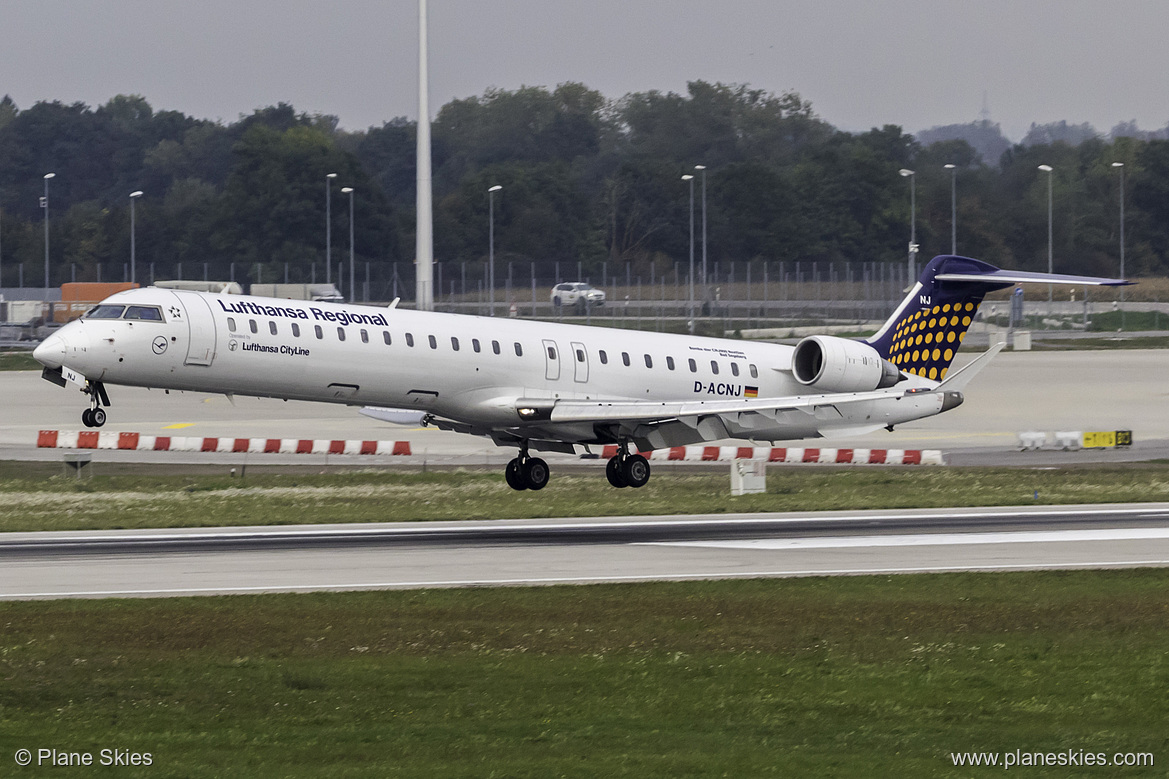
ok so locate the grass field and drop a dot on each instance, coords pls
(35, 496)
(862, 676)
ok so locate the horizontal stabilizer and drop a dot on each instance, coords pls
(1023, 277)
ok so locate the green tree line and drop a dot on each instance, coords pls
(585, 180)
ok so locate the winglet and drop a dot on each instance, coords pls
(958, 380)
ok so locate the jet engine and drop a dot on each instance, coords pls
(840, 365)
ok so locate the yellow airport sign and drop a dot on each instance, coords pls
(1107, 439)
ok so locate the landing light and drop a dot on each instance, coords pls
(527, 413)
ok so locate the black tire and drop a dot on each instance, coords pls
(613, 473)
(635, 469)
(87, 417)
(98, 415)
(514, 475)
(556, 301)
(536, 473)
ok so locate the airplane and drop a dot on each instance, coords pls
(540, 386)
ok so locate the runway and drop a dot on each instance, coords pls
(156, 563)
(1048, 391)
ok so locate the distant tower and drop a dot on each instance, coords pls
(984, 114)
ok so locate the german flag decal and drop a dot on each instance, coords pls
(750, 392)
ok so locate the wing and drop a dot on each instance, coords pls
(646, 411)
(656, 424)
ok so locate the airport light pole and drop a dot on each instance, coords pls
(704, 276)
(45, 205)
(133, 196)
(1120, 167)
(690, 178)
(491, 246)
(1049, 170)
(911, 269)
(329, 227)
(352, 292)
(953, 208)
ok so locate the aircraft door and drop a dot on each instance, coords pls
(551, 360)
(200, 327)
(580, 359)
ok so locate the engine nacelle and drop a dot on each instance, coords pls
(840, 365)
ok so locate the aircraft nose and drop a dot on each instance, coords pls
(51, 352)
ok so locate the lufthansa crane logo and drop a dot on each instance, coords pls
(159, 344)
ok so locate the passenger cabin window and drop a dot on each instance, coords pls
(320, 332)
(340, 333)
(551, 353)
(295, 330)
(386, 336)
(231, 324)
(272, 328)
(604, 357)
(625, 359)
(734, 369)
(693, 366)
(433, 341)
(670, 363)
(580, 355)
(519, 350)
(649, 363)
(365, 336)
(454, 343)
(754, 371)
(409, 339)
(495, 346)
(145, 313)
(105, 312)
(475, 345)
(714, 367)
(252, 326)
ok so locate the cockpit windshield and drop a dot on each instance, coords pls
(105, 311)
(151, 313)
(139, 313)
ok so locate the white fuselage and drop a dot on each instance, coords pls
(465, 368)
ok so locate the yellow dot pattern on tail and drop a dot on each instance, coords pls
(924, 343)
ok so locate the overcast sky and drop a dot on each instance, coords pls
(865, 63)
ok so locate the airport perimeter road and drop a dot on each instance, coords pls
(532, 552)
(1048, 391)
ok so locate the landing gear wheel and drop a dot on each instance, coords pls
(536, 473)
(514, 475)
(98, 416)
(87, 417)
(635, 469)
(613, 473)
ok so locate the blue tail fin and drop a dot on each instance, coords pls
(924, 333)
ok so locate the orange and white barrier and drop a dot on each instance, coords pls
(94, 439)
(778, 454)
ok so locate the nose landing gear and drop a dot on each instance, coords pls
(526, 473)
(95, 416)
(627, 470)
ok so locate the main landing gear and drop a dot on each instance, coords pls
(526, 473)
(627, 470)
(95, 415)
